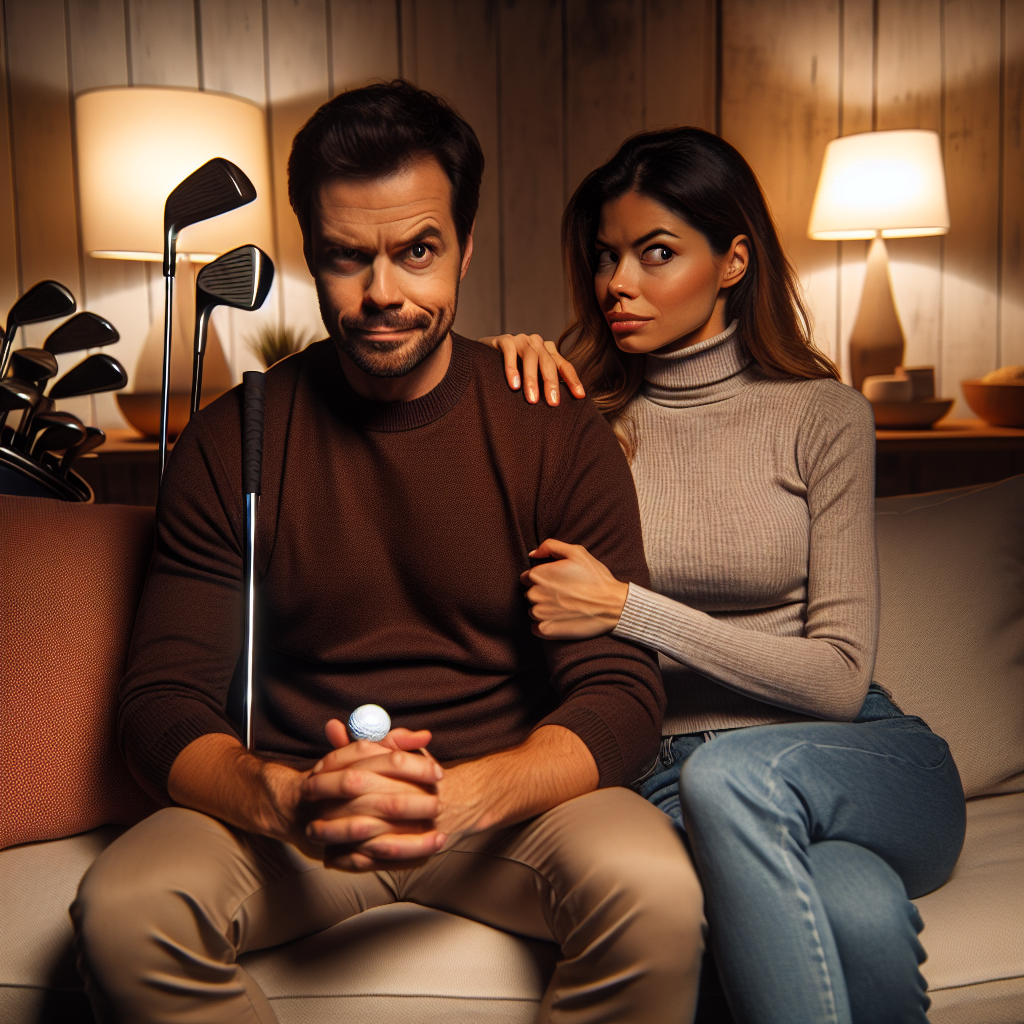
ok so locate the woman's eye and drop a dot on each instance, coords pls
(419, 252)
(606, 258)
(658, 254)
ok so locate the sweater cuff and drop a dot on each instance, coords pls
(639, 620)
(591, 728)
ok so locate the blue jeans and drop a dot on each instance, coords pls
(810, 840)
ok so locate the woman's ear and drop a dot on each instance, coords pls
(736, 261)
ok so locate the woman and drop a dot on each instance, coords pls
(813, 806)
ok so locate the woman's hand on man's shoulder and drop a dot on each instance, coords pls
(535, 354)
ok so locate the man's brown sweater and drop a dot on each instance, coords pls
(390, 541)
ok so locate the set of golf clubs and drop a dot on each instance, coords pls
(28, 463)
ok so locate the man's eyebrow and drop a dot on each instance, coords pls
(428, 231)
(642, 238)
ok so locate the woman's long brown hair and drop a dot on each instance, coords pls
(704, 180)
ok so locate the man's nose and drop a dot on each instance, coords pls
(383, 289)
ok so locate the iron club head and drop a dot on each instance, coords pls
(46, 300)
(99, 372)
(94, 437)
(58, 438)
(33, 365)
(15, 396)
(44, 420)
(82, 331)
(241, 279)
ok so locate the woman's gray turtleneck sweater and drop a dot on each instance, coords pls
(757, 501)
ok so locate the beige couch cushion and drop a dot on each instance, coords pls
(974, 924)
(951, 646)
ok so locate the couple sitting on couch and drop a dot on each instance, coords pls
(476, 564)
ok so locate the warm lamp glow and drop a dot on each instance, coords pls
(136, 144)
(881, 182)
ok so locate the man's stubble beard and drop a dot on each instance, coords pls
(390, 360)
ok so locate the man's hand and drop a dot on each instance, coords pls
(375, 802)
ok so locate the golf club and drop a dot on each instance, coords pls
(44, 301)
(44, 421)
(217, 187)
(241, 279)
(14, 397)
(252, 470)
(82, 331)
(58, 438)
(100, 372)
(94, 437)
(33, 366)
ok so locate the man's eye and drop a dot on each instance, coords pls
(419, 252)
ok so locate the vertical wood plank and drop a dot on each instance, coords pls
(407, 64)
(115, 289)
(364, 42)
(10, 284)
(531, 165)
(971, 144)
(41, 136)
(679, 63)
(779, 107)
(297, 84)
(457, 57)
(604, 99)
(1011, 297)
(909, 77)
(856, 106)
(163, 42)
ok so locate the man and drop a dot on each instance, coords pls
(403, 490)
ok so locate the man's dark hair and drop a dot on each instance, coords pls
(377, 130)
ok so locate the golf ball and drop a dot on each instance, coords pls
(369, 722)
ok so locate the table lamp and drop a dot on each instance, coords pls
(134, 145)
(879, 185)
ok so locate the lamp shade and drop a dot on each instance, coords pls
(135, 144)
(887, 182)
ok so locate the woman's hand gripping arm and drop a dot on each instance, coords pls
(535, 354)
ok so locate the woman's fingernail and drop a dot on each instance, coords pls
(318, 767)
(438, 772)
(554, 394)
(440, 840)
(515, 381)
(531, 395)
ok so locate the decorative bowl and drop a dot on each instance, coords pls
(910, 415)
(142, 410)
(1001, 405)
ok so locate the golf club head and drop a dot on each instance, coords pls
(33, 365)
(217, 187)
(58, 438)
(14, 397)
(241, 279)
(44, 421)
(46, 300)
(99, 372)
(82, 331)
(94, 437)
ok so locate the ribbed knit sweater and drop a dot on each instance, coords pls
(757, 503)
(390, 540)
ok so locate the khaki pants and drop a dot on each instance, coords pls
(163, 913)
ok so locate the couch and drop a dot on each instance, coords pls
(951, 650)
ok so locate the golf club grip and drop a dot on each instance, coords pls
(252, 431)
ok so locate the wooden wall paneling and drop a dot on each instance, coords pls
(364, 42)
(1011, 292)
(41, 137)
(679, 63)
(163, 42)
(971, 145)
(233, 61)
(115, 289)
(532, 157)
(9, 279)
(604, 102)
(456, 56)
(856, 104)
(909, 80)
(298, 82)
(407, 40)
(779, 107)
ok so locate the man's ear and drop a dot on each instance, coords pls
(737, 259)
(467, 252)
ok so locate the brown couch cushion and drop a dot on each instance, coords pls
(951, 646)
(70, 585)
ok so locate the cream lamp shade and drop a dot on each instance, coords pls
(890, 183)
(135, 144)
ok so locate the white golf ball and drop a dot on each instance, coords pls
(369, 722)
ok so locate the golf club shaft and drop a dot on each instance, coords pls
(202, 323)
(5, 352)
(165, 387)
(249, 583)
(252, 470)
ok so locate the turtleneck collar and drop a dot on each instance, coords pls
(709, 371)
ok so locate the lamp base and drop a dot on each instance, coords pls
(142, 410)
(876, 342)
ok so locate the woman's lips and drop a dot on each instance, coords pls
(623, 325)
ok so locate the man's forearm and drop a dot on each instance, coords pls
(551, 766)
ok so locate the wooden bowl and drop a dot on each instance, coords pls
(142, 411)
(910, 415)
(1002, 405)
